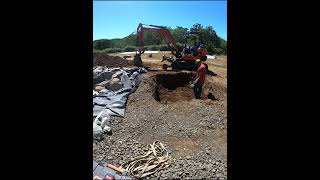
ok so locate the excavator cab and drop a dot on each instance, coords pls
(198, 51)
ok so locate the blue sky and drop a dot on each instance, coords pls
(117, 19)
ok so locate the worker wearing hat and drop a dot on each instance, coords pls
(200, 78)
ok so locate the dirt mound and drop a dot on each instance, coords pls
(102, 59)
(214, 91)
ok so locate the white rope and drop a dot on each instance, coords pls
(156, 159)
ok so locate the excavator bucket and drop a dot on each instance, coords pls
(137, 61)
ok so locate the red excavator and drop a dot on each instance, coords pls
(184, 60)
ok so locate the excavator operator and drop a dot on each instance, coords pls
(202, 52)
(200, 79)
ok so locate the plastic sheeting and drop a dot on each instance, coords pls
(112, 100)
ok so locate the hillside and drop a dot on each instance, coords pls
(152, 41)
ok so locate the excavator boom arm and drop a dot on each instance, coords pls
(163, 32)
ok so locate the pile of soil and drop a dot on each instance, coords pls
(102, 59)
(213, 91)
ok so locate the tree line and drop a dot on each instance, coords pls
(152, 41)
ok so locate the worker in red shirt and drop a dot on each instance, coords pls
(200, 78)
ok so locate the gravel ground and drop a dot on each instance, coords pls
(194, 131)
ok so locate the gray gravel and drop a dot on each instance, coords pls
(194, 132)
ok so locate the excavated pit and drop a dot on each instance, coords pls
(172, 87)
(175, 86)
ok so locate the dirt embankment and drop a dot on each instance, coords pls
(102, 59)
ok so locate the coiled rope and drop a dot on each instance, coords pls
(156, 159)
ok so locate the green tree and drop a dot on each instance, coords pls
(212, 37)
(223, 46)
(179, 34)
(130, 40)
(101, 44)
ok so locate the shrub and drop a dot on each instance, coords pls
(111, 50)
(164, 48)
(180, 47)
(218, 51)
(129, 48)
(152, 48)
